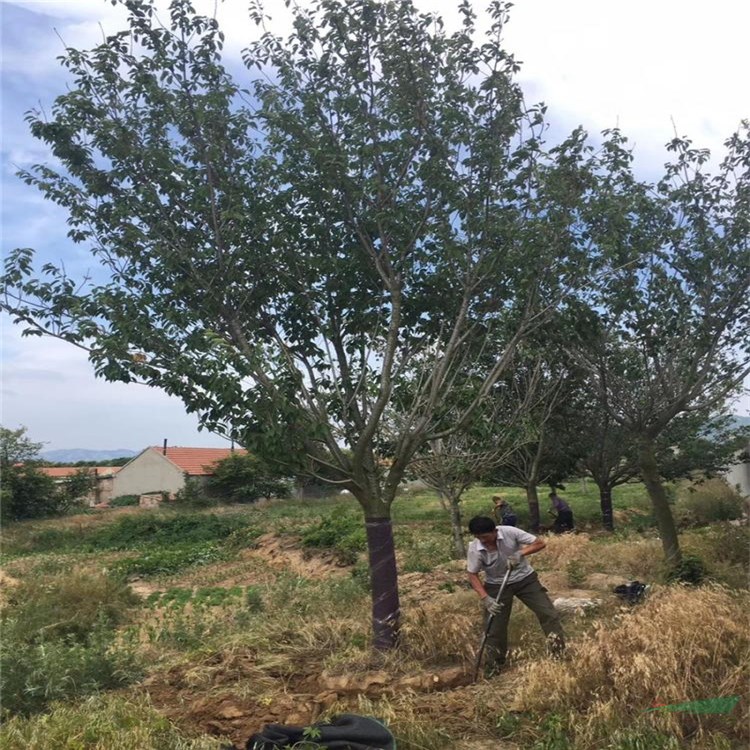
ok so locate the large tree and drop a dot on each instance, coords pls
(280, 251)
(674, 309)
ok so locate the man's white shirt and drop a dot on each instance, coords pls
(494, 563)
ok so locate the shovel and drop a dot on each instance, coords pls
(480, 653)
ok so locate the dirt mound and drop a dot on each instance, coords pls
(286, 553)
(231, 695)
(6, 584)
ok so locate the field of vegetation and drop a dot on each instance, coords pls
(190, 629)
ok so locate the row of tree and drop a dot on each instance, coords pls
(341, 255)
(549, 423)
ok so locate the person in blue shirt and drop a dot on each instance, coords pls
(494, 550)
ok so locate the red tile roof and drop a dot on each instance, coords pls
(197, 462)
(62, 472)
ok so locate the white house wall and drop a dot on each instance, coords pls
(148, 472)
(739, 476)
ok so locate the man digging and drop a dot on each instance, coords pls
(494, 550)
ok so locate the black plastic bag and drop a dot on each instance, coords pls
(632, 592)
(343, 732)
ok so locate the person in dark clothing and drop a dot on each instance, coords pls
(503, 512)
(562, 513)
(494, 551)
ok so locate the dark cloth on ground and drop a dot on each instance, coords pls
(343, 732)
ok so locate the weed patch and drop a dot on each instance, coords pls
(103, 722)
(35, 674)
(344, 534)
(170, 560)
(66, 605)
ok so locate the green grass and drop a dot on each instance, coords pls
(106, 722)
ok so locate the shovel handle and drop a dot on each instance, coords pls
(483, 643)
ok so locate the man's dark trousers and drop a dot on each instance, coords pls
(531, 592)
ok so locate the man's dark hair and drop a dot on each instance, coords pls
(481, 525)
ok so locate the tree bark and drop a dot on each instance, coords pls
(459, 546)
(658, 496)
(605, 502)
(386, 610)
(532, 497)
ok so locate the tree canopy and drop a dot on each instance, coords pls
(374, 202)
(365, 222)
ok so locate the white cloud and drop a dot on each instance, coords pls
(638, 65)
(49, 386)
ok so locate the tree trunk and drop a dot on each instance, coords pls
(533, 499)
(605, 501)
(459, 546)
(662, 512)
(386, 610)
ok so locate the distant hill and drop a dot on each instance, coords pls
(741, 421)
(73, 455)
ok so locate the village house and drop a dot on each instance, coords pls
(101, 491)
(164, 469)
(739, 473)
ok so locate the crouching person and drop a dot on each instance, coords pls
(494, 550)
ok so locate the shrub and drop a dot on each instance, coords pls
(342, 533)
(193, 494)
(35, 674)
(244, 478)
(27, 493)
(68, 605)
(708, 502)
(576, 573)
(244, 538)
(691, 569)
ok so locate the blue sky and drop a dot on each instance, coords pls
(647, 66)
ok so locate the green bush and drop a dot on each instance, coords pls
(691, 569)
(344, 534)
(576, 573)
(27, 493)
(193, 495)
(244, 538)
(69, 605)
(244, 478)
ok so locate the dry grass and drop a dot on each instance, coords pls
(681, 645)
(631, 558)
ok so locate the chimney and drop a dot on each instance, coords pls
(164, 449)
